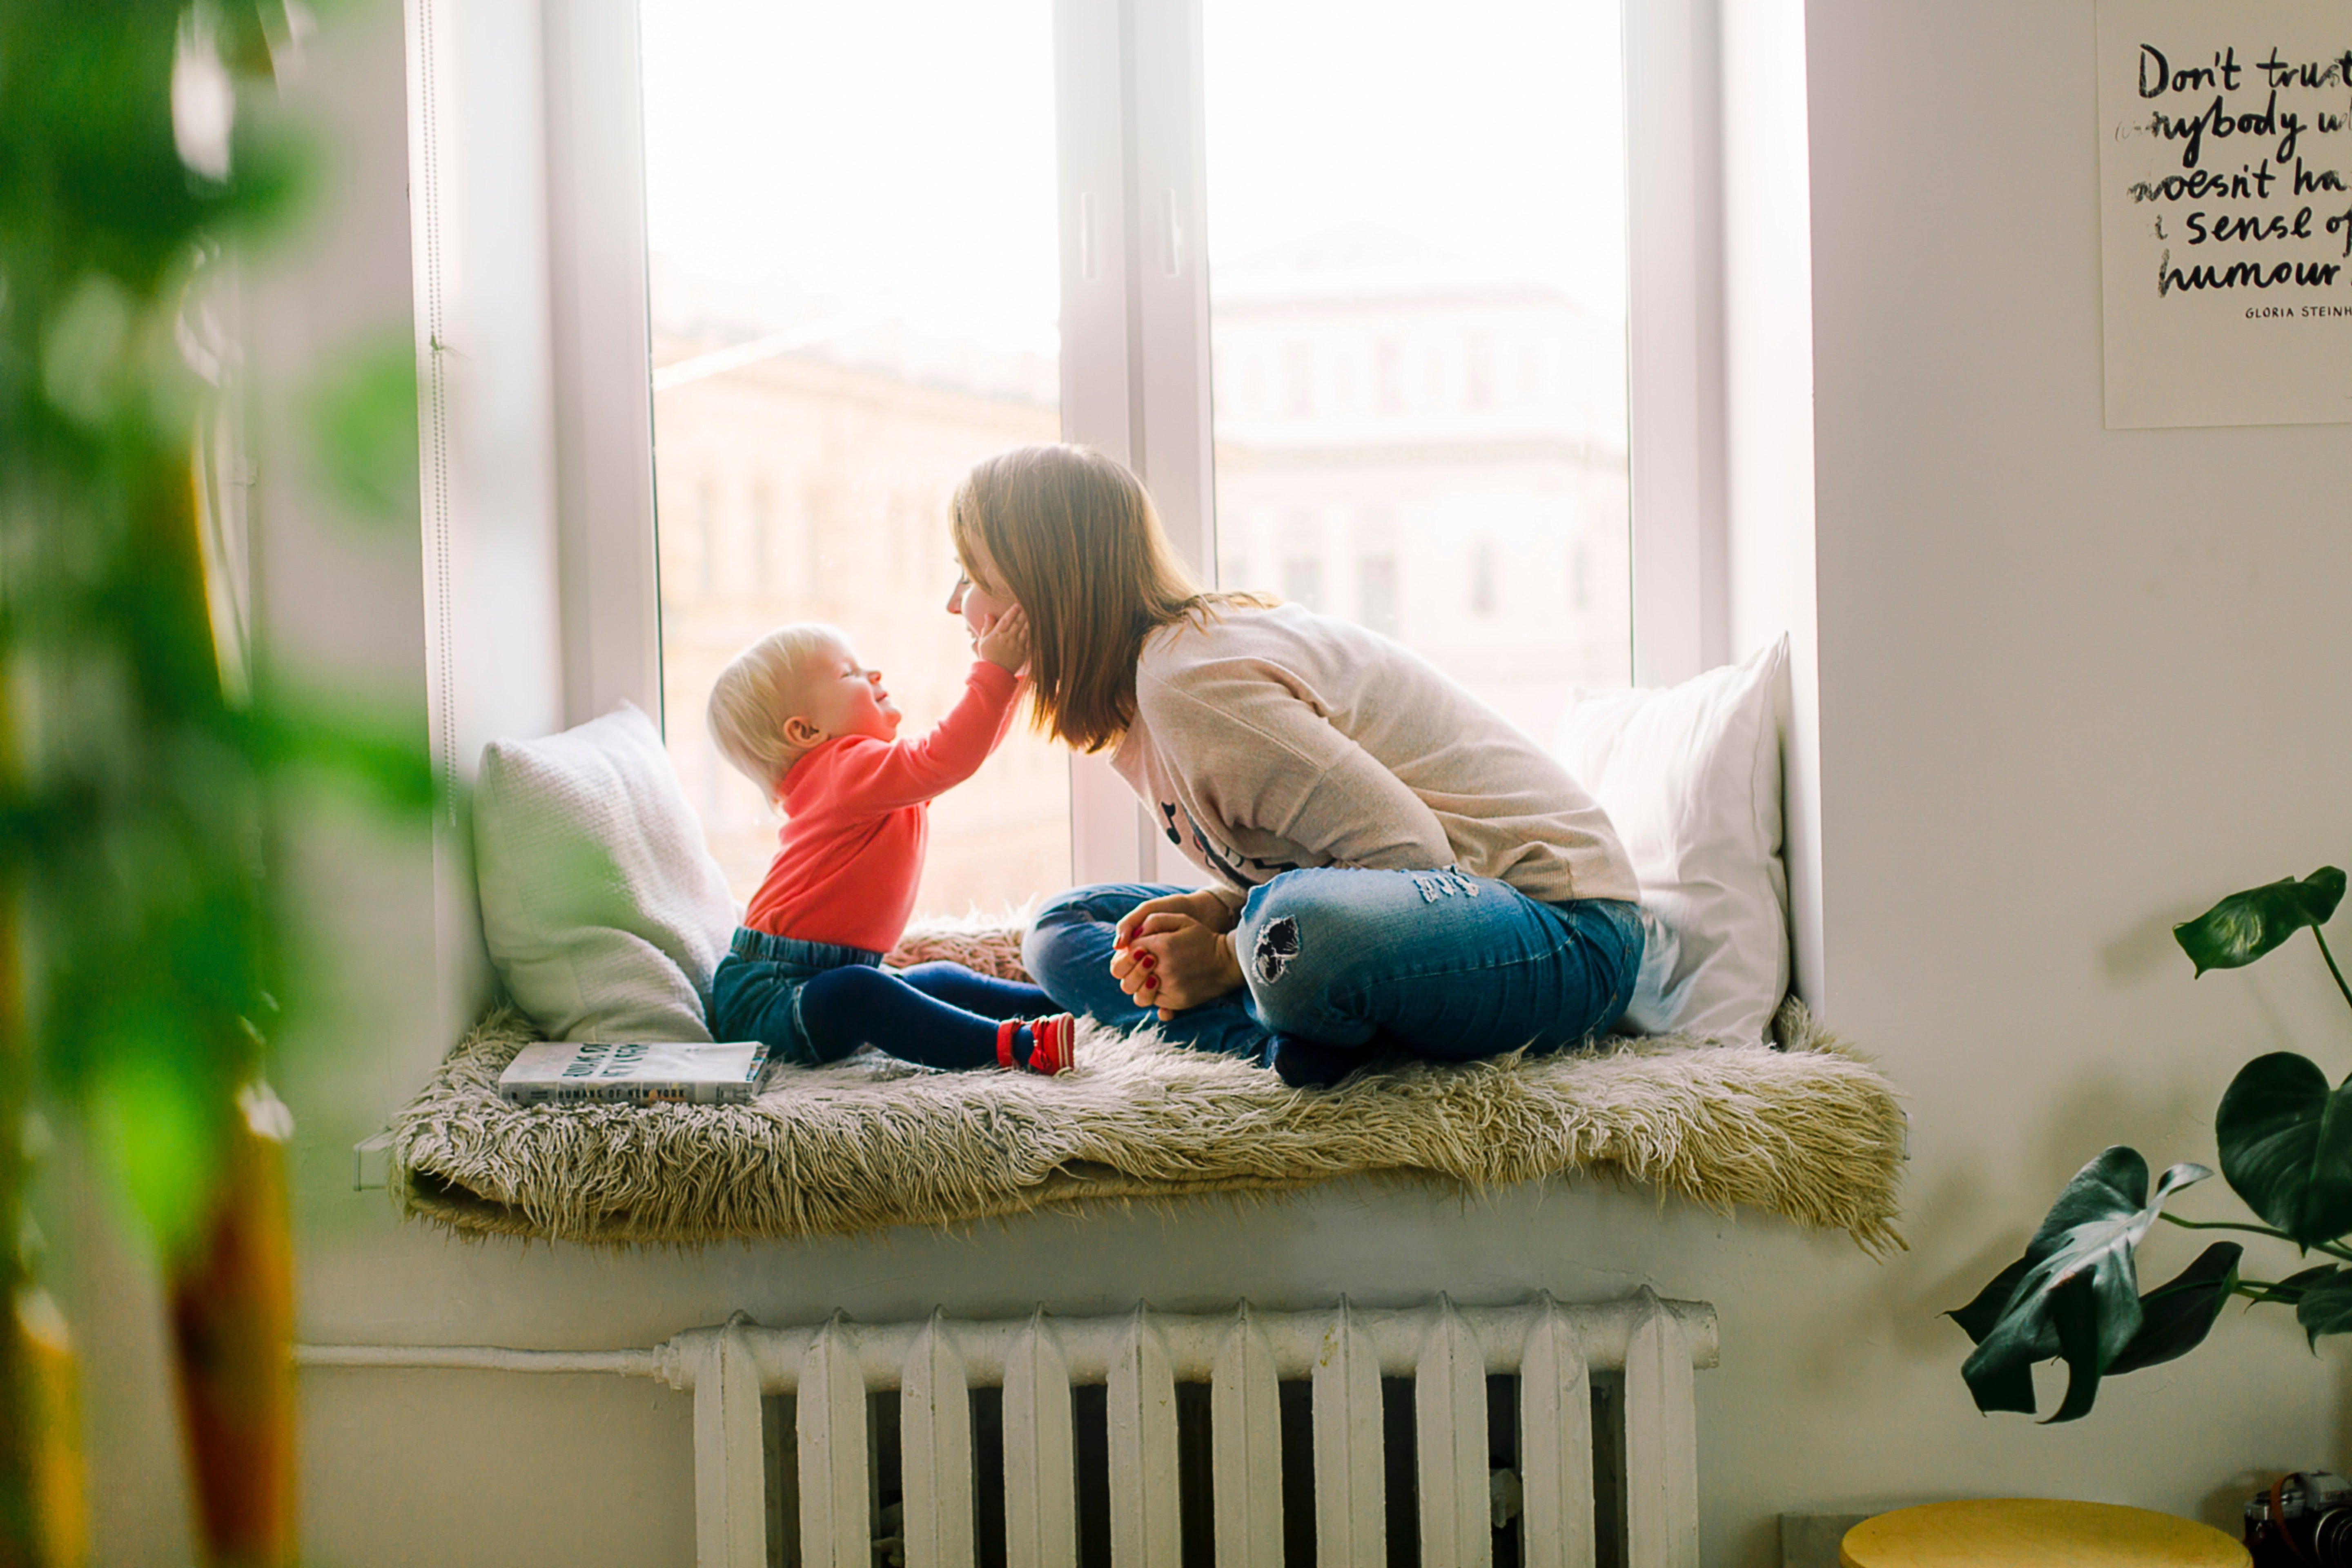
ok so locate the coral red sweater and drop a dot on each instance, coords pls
(857, 815)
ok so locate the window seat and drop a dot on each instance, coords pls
(1810, 1130)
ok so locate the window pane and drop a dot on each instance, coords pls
(1417, 282)
(854, 297)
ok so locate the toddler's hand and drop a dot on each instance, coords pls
(1006, 641)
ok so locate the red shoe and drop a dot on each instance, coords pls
(1052, 1044)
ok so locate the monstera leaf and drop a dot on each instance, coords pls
(2076, 1291)
(1979, 1316)
(2286, 1147)
(2244, 926)
(2175, 1317)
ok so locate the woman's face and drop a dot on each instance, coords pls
(978, 596)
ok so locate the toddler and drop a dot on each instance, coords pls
(799, 715)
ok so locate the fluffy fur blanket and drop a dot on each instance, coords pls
(1812, 1132)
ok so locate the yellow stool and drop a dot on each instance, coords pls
(2035, 1532)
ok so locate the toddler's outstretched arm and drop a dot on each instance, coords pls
(906, 773)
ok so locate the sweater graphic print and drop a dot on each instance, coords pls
(1243, 871)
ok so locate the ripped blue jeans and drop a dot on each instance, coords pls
(1433, 963)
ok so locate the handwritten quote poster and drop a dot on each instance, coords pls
(2225, 169)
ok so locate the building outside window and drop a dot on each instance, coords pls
(1376, 594)
(1298, 378)
(1478, 370)
(1417, 312)
(1387, 373)
(1408, 191)
(1302, 581)
(810, 338)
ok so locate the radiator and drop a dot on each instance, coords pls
(1448, 1352)
(1343, 1353)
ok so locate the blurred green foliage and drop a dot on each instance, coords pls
(363, 428)
(136, 784)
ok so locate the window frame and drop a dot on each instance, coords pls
(1131, 201)
(607, 568)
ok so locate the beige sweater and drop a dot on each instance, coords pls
(1273, 739)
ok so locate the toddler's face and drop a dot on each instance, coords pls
(978, 596)
(841, 697)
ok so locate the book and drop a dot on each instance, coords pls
(597, 1072)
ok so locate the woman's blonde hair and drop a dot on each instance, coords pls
(1076, 543)
(756, 693)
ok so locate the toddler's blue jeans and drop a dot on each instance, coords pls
(814, 1001)
(1354, 961)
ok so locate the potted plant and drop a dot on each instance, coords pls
(149, 755)
(2285, 1141)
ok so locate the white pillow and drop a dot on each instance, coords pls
(604, 912)
(1691, 776)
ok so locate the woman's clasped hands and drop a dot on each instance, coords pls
(1177, 951)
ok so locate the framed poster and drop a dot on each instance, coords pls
(2225, 176)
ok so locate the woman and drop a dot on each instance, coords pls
(1395, 867)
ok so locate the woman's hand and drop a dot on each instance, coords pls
(1176, 953)
(1006, 640)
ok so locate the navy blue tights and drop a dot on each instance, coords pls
(940, 1015)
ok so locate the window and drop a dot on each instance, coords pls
(1300, 379)
(1284, 268)
(704, 552)
(812, 338)
(1480, 372)
(1302, 581)
(1451, 192)
(1387, 376)
(1376, 594)
(1484, 562)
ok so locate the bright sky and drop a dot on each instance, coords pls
(1494, 128)
(900, 153)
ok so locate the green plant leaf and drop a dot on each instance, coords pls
(381, 751)
(2289, 1291)
(2244, 926)
(2286, 1147)
(364, 429)
(2079, 1294)
(2176, 1315)
(2089, 1340)
(156, 1113)
(2327, 1307)
(1978, 1317)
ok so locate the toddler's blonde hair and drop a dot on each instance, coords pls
(754, 695)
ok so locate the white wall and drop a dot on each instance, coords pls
(2072, 686)
(2075, 685)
